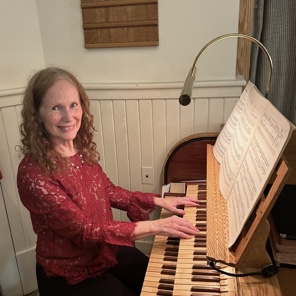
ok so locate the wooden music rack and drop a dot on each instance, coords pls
(249, 252)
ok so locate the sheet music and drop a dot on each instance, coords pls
(225, 136)
(248, 151)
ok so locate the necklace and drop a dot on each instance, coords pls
(77, 167)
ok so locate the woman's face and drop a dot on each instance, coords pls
(61, 113)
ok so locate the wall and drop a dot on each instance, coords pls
(185, 26)
(21, 50)
(38, 33)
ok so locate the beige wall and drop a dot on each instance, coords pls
(20, 42)
(184, 27)
(34, 33)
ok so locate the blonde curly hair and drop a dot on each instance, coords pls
(34, 138)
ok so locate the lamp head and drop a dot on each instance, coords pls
(185, 96)
(184, 99)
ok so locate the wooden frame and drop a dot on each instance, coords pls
(249, 254)
(245, 26)
(187, 159)
(120, 23)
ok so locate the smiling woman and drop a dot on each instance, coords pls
(80, 248)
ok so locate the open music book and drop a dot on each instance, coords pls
(248, 149)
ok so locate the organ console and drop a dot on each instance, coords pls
(180, 267)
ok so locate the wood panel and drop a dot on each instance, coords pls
(121, 143)
(134, 143)
(172, 123)
(98, 135)
(228, 106)
(215, 114)
(9, 135)
(187, 159)
(120, 23)
(187, 120)
(107, 121)
(245, 26)
(201, 117)
(159, 140)
(146, 138)
(18, 217)
(9, 275)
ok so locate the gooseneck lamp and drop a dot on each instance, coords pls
(185, 96)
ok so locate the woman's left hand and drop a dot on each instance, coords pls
(173, 204)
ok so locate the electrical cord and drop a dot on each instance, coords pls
(268, 271)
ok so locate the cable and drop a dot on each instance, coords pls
(267, 271)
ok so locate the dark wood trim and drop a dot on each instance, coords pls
(245, 26)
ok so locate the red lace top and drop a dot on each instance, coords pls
(72, 217)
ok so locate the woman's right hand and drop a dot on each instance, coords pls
(173, 226)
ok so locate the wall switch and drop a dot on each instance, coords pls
(147, 175)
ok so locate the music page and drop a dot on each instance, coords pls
(264, 151)
(256, 143)
(234, 155)
(229, 129)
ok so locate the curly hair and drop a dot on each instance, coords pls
(34, 138)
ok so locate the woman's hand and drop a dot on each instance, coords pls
(172, 204)
(173, 226)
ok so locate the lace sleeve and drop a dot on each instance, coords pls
(66, 210)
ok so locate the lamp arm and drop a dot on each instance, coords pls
(236, 35)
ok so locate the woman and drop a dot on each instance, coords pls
(80, 249)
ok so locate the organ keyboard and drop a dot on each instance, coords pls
(179, 267)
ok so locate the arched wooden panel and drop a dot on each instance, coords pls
(187, 160)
